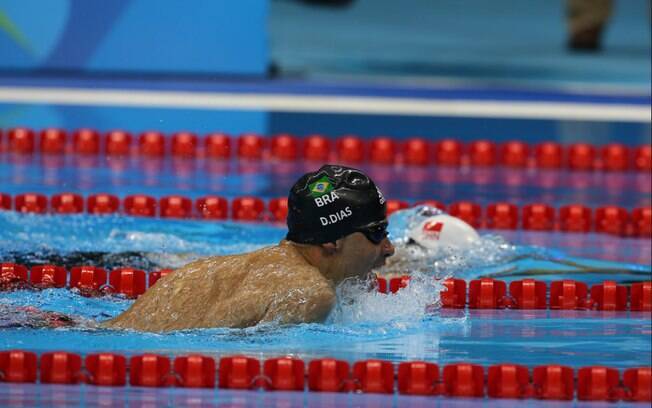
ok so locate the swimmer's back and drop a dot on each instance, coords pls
(273, 283)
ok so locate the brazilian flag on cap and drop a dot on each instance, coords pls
(320, 187)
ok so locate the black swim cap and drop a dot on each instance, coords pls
(331, 203)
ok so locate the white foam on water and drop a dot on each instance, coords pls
(359, 301)
(175, 243)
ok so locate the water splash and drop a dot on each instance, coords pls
(174, 242)
(358, 301)
(487, 252)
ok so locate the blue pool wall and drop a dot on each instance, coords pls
(135, 37)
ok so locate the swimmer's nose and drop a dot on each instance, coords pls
(388, 248)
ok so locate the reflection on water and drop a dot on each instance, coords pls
(576, 338)
(32, 395)
(365, 324)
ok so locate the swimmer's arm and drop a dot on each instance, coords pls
(301, 304)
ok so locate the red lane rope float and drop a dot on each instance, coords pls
(487, 293)
(482, 293)
(349, 148)
(575, 218)
(287, 373)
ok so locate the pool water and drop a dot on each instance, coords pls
(267, 179)
(408, 325)
(404, 326)
(365, 324)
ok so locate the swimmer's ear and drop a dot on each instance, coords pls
(331, 247)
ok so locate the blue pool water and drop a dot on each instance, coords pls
(366, 324)
(197, 177)
(490, 63)
(61, 395)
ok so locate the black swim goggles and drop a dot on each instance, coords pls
(375, 232)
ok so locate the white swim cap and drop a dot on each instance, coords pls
(443, 230)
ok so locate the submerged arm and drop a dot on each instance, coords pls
(301, 304)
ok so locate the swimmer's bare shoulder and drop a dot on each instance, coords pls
(161, 306)
(271, 284)
(307, 299)
(280, 286)
(300, 294)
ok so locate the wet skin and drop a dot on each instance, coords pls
(287, 283)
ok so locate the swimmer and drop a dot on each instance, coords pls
(337, 229)
(429, 234)
(440, 230)
(431, 241)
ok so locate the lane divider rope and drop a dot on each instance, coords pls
(352, 149)
(496, 216)
(484, 293)
(464, 380)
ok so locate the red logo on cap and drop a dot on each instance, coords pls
(433, 229)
